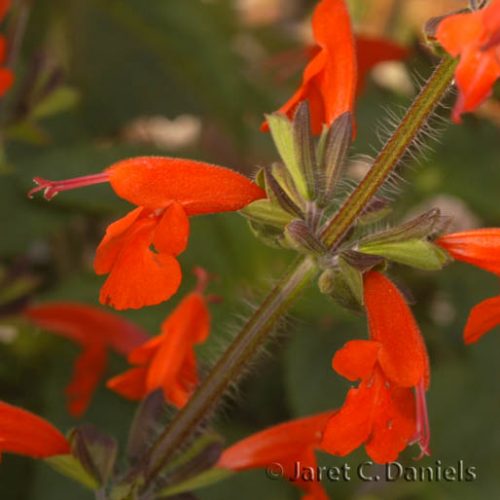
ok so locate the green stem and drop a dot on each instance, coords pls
(232, 363)
(249, 341)
(395, 148)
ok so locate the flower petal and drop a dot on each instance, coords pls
(329, 79)
(403, 356)
(310, 91)
(456, 32)
(88, 371)
(113, 241)
(351, 426)
(173, 365)
(139, 277)
(201, 188)
(144, 353)
(475, 75)
(131, 384)
(372, 51)
(24, 433)
(275, 444)
(4, 7)
(172, 232)
(6, 80)
(338, 85)
(394, 426)
(356, 360)
(479, 247)
(179, 390)
(482, 318)
(82, 324)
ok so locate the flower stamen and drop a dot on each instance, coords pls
(423, 432)
(51, 188)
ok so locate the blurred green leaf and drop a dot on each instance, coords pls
(61, 99)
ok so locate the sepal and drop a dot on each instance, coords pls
(332, 151)
(421, 254)
(344, 284)
(95, 450)
(268, 213)
(70, 467)
(283, 133)
(277, 187)
(427, 225)
(269, 235)
(300, 237)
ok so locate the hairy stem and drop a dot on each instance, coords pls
(393, 151)
(256, 330)
(232, 363)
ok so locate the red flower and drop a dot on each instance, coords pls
(168, 360)
(475, 37)
(481, 248)
(6, 76)
(372, 51)
(382, 412)
(329, 80)
(280, 448)
(139, 250)
(95, 331)
(24, 433)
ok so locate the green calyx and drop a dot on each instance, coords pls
(410, 243)
(300, 190)
(420, 254)
(344, 284)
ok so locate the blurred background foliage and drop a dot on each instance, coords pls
(101, 80)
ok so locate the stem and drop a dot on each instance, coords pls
(256, 330)
(231, 364)
(392, 152)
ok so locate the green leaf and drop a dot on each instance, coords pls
(26, 131)
(69, 466)
(61, 99)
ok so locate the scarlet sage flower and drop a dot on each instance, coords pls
(24, 433)
(475, 37)
(168, 360)
(387, 411)
(370, 51)
(6, 76)
(95, 331)
(481, 248)
(286, 450)
(329, 80)
(139, 250)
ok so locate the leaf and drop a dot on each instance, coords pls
(61, 99)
